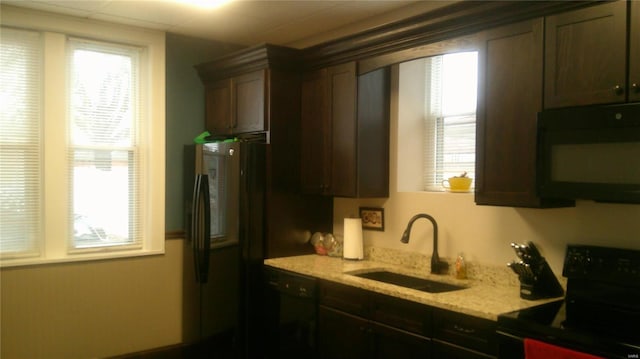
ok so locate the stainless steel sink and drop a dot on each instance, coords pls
(407, 281)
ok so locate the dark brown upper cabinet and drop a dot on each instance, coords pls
(345, 132)
(586, 56)
(236, 105)
(248, 90)
(510, 74)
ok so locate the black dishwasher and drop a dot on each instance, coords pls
(290, 314)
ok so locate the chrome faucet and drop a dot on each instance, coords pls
(437, 266)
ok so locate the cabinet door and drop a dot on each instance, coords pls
(470, 332)
(406, 315)
(249, 103)
(315, 134)
(218, 107)
(450, 351)
(585, 56)
(345, 298)
(509, 98)
(391, 343)
(634, 52)
(373, 133)
(345, 132)
(342, 87)
(342, 336)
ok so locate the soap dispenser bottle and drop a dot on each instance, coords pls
(461, 267)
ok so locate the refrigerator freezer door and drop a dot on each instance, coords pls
(220, 162)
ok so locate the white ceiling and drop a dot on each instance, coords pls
(298, 23)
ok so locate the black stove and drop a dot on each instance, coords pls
(600, 314)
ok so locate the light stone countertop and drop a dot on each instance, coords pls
(494, 292)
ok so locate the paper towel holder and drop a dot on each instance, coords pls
(372, 218)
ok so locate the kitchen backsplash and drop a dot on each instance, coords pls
(483, 233)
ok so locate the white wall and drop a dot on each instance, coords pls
(483, 233)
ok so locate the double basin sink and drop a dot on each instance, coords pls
(402, 280)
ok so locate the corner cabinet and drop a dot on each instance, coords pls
(573, 75)
(345, 132)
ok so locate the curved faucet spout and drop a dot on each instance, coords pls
(437, 266)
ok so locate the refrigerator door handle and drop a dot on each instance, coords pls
(200, 228)
(195, 227)
(205, 247)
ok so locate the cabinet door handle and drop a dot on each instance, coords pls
(463, 330)
(635, 87)
(618, 90)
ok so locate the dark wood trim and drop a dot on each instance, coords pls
(250, 59)
(459, 44)
(458, 19)
(392, 43)
(175, 234)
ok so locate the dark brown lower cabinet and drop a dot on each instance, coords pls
(389, 342)
(451, 351)
(461, 329)
(342, 335)
(459, 335)
(356, 323)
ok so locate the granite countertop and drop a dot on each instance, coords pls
(489, 292)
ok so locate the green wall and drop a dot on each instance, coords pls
(184, 112)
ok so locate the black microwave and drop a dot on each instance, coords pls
(590, 152)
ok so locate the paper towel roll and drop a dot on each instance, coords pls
(352, 247)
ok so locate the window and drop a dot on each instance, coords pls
(450, 117)
(104, 110)
(82, 142)
(436, 120)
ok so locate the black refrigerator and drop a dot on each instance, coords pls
(242, 205)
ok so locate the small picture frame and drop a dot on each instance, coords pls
(372, 218)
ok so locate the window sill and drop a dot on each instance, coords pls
(34, 261)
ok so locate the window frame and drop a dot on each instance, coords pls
(410, 115)
(435, 124)
(55, 229)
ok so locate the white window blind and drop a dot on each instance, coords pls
(104, 157)
(20, 142)
(450, 106)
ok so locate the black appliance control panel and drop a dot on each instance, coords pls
(611, 265)
(292, 284)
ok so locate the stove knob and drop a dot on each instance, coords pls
(577, 263)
